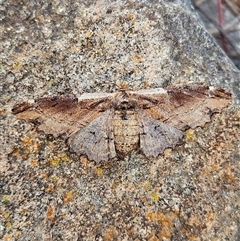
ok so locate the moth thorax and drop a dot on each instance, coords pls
(126, 130)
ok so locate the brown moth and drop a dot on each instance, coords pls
(100, 125)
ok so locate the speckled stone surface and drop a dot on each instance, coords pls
(46, 192)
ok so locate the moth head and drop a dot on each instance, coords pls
(123, 101)
(122, 86)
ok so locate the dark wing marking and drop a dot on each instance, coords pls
(63, 114)
(95, 140)
(157, 136)
(183, 107)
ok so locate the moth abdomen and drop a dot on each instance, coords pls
(125, 130)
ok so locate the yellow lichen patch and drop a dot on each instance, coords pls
(110, 234)
(155, 196)
(54, 162)
(210, 215)
(15, 65)
(54, 178)
(98, 171)
(65, 158)
(146, 185)
(59, 191)
(6, 215)
(67, 197)
(190, 135)
(50, 213)
(5, 198)
(8, 225)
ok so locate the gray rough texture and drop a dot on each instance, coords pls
(50, 47)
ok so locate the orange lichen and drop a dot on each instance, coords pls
(130, 16)
(194, 220)
(15, 152)
(228, 175)
(152, 237)
(136, 58)
(34, 163)
(165, 222)
(7, 237)
(3, 112)
(130, 232)
(110, 234)
(50, 213)
(49, 188)
(26, 140)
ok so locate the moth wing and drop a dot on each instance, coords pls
(64, 114)
(95, 140)
(183, 107)
(157, 136)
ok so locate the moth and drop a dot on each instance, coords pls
(105, 125)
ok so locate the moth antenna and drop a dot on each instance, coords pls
(122, 86)
(146, 85)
